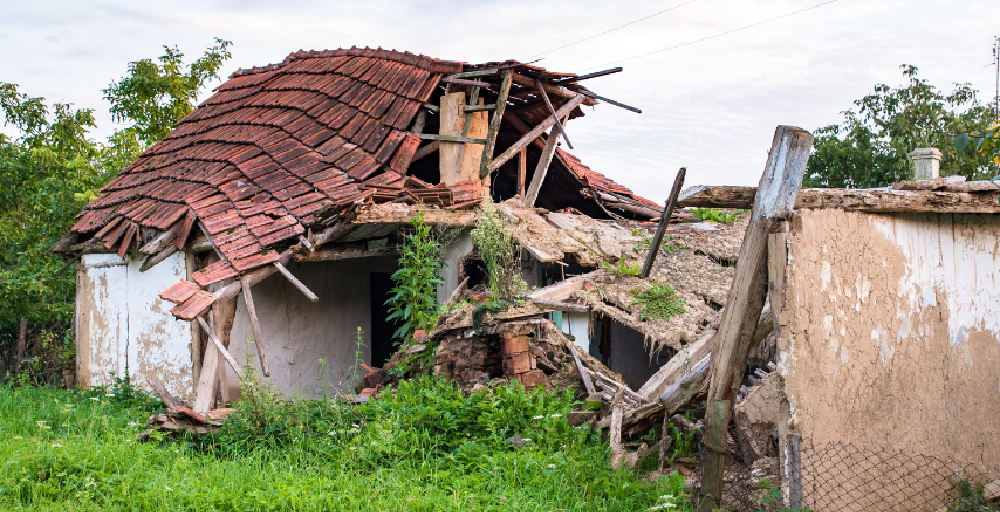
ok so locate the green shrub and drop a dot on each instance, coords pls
(716, 215)
(414, 299)
(501, 255)
(658, 301)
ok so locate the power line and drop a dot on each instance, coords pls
(618, 61)
(613, 29)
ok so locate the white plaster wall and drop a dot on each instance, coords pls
(452, 256)
(124, 325)
(577, 325)
(298, 333)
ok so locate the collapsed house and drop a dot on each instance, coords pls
(310, 169)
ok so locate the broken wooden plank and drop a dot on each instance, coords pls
(523, 128)
(494, 129)
(223, 317)
(151, 261)
(474, 74)
(222, 350)
(678, 395)
(542, 168)
(532, 135)
(588, 76)
(553, 305)
(613, 102)
(552, 112)
(654, 248)
(554, 90)
(258, 337)
(450, 138)
(587, 383)
(345, 253)
(208, 381)
(403, 214)
(426, 150)
(463, 81)
(615, 434)
(522, 172)
(162, 240)
(298, 284)
(168, 399)
(468, 109)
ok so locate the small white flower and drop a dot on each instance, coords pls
(552, 466)
(557, 415)
(539, 417)
(167, 488)
(94, 398)
(109, 394)
(56, 445)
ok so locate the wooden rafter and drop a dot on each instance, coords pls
(494, 129)
(552, 112)
(532, 135)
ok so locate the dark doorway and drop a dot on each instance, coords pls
(383, 344)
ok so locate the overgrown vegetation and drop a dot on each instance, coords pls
(645, 241)
(50, 168)
(870, 147)
(971, 497)
(658, 301)
(622, 268)
(501, 255)
(429, 447)
(717, 215)
(414, 304)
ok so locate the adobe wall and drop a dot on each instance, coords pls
(299, 333)
(890, 334)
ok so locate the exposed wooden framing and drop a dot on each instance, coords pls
(611, 101)
(563, 289)
(466, 127)
(426, 150)
(775, 198)
(186, 229)
(615, 433)
(151, 261)
(222, 350)
(208, 381)
(298, 284)
(474, 74)
(449, 138)
(552, 112)
(304, 240)
(494, 129)
(533, 134)
(654, 247)
(522, 172)
(520, 126)
(595, 74)
(199, 244)
(258, 337)
(479, 108)
(555, 305)
(859, 200)
(679, 394)
(404, 214)
(587, 383)
(418, 125)
(163, 240)
(542, 168)
(462, 81)
(431, 107)
(339, 229)
(345, 253)
(554, 90)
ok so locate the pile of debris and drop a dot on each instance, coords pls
(179, 417)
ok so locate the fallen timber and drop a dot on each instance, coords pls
(958, 198)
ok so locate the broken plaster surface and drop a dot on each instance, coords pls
(890, 337)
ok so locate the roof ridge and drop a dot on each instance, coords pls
(419, 60)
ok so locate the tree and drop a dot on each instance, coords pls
(51, 168)
(870, 148)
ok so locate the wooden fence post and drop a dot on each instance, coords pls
(668, 211)
(775, 197)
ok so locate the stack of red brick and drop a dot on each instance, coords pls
(519, 358)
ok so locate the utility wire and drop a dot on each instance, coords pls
(618, 61)
(613, 29)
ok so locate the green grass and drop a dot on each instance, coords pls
(430, 448)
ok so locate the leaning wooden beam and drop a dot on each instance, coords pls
(494, 129)
(222, 349)
(426, 150)
(587, 383)
(253, 277)
(295, 281)
(553, 305)
(779, 184)
(595, 74)
(562, 289)
(552, 112)
(668, 211)
(533, 134)
(679, 395)
(151, 261)
(522, 172)
(615, 434)
(344, 253)
(523, 128)
(208, 381)
(542, 168)
(613, 102)
(258, 337)
(450, 138)
(554, 90)
(163, 240)
(223, 316)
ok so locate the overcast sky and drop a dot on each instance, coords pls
(711, 106)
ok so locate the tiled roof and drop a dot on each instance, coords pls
(596, 180)
(274, 150)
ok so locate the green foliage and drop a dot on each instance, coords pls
(716, 215)
(422, 450)
(155, 96)
(971, 497)
(658, 301)
(646, 241)
(870, 147)
(674, 499)
(987, 142)
(414, 301)
(50, 169)
(622, 268)
(500, 254)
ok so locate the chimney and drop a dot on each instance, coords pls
(927, 163)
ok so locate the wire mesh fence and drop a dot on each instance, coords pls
(843, 477)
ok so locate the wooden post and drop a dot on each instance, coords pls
(668, 210)
(466, 126)
(716, 413)
(615, 435)
(529, 137)
(543, 167)
(491, 135)
(794, 472)
(522, 172)
(298, 284)
(587, 383)
(218, 344)
(223, 315)
(775, 197)
(258, 338)
(207, 381)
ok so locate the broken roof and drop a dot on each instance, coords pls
(287, 148)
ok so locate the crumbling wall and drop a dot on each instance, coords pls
(890, 334)
(123, 325)
(298, 334)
